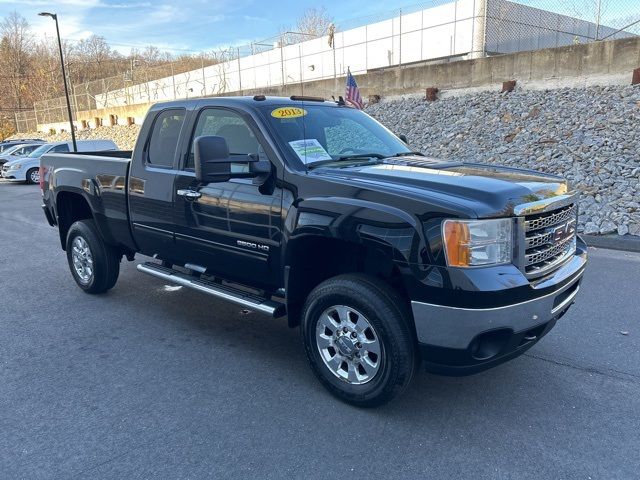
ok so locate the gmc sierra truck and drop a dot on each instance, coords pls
(312, 210)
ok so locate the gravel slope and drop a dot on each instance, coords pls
(589, 135)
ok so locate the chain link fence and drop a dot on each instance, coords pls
(432, 31)
(537, 24)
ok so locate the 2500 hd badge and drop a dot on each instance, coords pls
(252, 245)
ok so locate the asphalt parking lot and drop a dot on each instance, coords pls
(151, 381)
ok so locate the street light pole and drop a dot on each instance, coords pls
(64, 78)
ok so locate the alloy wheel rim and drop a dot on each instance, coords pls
(82, 259)
(348, 344)
(35, 176)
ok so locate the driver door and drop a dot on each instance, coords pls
(230, 228)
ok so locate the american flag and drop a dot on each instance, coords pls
(352, 93)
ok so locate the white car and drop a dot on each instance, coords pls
(27, 169)
(19, 150)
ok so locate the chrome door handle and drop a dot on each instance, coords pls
(189, 194)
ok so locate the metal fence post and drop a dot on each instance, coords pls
(598, 18)
(400, 40)
(282, 60)
(204, 78)
(240, 72)
(366, 49)
(479, 29)
(300, 66)
(173, 81)
(422, 34)
(455, 26)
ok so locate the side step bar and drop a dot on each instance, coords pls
(224, 292)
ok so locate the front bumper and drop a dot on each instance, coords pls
(462, 341)
(13, 174)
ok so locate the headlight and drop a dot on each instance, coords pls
(15, 166)
(475, 243)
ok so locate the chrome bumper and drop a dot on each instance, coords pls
(453, 327)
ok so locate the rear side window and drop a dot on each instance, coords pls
(164, 137)
(60, 148)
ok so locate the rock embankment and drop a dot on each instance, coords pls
(589, 135)
(123, 135)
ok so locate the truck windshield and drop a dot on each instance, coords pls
(316, 134)
(38, 152)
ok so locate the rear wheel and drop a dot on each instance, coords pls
(357, 338)
(33, 176)
(95, 266)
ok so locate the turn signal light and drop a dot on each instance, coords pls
(477, 243)
(456, 238)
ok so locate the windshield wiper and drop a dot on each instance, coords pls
(406, 154)
(353, 156)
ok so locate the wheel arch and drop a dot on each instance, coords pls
(71, 206)
(311, 259)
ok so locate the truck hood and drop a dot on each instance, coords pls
(488, 190)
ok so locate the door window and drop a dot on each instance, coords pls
(164, 137)
(232, 127)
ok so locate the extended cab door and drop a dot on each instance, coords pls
(153, 171)
(233, 228)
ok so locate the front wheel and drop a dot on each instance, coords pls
(33, 176)
(357, 338)
(95, 266)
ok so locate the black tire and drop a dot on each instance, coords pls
(28, 180)
(390, 319)
(105, 258)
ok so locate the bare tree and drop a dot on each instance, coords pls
(7, 128)
(222, 56)
(15, 47)
(32, 76)
(314, 22)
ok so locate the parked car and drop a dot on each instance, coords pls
(6, 144)
(20, 150)
(26, 169)
(314, 210)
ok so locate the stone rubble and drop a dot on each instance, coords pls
(124, 136)
(591, 136)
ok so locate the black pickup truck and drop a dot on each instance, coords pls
(310, 209)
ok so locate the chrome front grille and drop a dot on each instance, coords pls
(549, 239)
(550, 219)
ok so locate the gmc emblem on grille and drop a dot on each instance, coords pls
(563, 232)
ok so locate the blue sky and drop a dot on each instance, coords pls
(200, 25)
(192, 26)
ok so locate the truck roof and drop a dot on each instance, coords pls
(245, 101)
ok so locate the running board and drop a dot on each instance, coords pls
(224, 292)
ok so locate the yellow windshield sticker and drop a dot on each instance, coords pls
(288, 112)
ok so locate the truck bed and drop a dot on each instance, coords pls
(101, 178)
